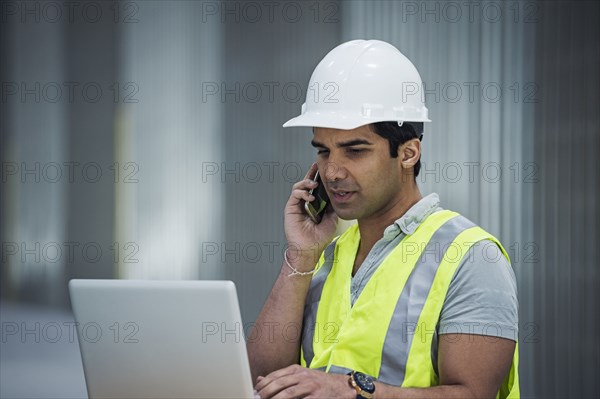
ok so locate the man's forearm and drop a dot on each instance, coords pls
(275, 340)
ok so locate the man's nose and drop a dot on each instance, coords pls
(333, 171)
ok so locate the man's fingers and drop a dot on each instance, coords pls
(264, 381)
(311, 171)
(299, 390)
(300, 190)
(305, 184)
(302, 195)
(282, 387)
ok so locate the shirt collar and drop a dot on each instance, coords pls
(409, 222)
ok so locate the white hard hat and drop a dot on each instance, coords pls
(361, 82)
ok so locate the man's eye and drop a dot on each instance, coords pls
(321, 152)
(355, 150)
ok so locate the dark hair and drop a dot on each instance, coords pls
(398, 135)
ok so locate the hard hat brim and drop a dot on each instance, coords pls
(335, 120)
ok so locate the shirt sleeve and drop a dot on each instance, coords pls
(482, 297)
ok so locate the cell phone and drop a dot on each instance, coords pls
(316, 208)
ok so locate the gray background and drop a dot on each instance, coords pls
(193, 98)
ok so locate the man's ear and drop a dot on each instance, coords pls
(409, 153)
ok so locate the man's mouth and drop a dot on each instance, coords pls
(342, 196)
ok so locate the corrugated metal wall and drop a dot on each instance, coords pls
(32, 212)
(168, 138)
(263, 160)
(58, 137)
(565, 290)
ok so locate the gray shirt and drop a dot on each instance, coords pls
(482, 297)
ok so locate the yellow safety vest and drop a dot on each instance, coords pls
(388, 333)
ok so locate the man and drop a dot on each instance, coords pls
(412, 302)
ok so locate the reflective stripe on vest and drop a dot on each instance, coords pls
(388, 333)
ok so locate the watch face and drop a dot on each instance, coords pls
(364, 382)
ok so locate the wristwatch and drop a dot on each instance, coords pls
(363, 384)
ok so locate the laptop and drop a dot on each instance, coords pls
(161, 339)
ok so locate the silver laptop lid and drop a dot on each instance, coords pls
(161, 339)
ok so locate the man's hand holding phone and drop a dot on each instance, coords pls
(306, 238)
(318, 206)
